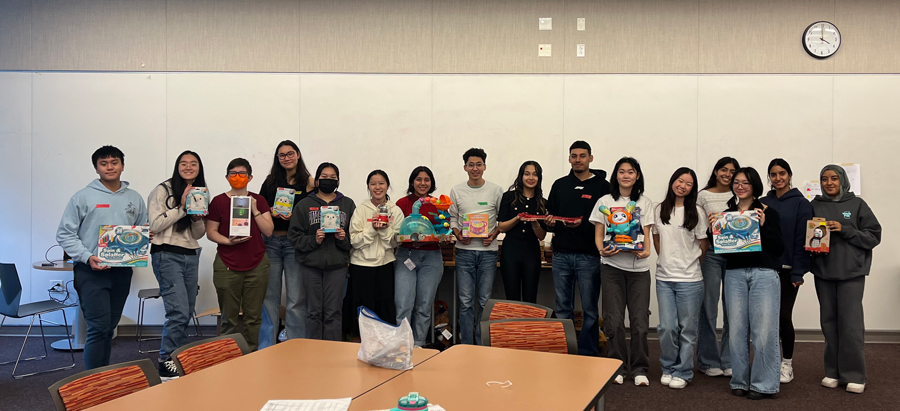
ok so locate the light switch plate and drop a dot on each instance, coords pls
(545, 23)
(579, 25)
(579, 50)
(544, 50)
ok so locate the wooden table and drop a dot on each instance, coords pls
(456, 380)
(296, 369)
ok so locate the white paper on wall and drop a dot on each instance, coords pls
(853, 174)
(811, 189)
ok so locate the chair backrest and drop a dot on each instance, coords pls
(504, 309)
(94, 387)
(555, 335)
(11, 289)
(202, 354)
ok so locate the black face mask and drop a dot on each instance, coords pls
(327, 185)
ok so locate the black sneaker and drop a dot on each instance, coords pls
(168, 370)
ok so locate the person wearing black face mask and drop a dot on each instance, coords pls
(324, 257)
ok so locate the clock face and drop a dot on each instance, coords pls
(821, 39)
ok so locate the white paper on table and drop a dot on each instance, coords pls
(811, 189)
(853, 174)
(341, 404)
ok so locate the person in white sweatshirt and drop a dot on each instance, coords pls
(373, 236)
(175, 253)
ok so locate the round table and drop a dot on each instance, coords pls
(79, 327)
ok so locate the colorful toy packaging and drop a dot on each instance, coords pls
(475, 225)
(124, 245)
(330, 218)
(284, 201)
(818, 238)
(623, 228)
(417, 228)
(736, 232)
(240, 217)
(197, 202)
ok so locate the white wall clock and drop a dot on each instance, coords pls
(821, 39)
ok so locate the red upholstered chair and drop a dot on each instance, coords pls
(553, 335)
(504, 309)
(94, 387)
(198, 355)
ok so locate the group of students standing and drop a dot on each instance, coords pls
(328, 275)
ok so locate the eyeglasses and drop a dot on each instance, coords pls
(475, 165)
(237, 173)
(741, 184)
(290, 154)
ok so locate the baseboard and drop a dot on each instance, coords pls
(123, 331)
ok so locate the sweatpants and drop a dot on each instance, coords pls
(623, 289)
(325, 298)
(843, 323)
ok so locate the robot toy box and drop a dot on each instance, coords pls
(623, 227)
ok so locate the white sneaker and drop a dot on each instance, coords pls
(856, 388)
(787, 373)
(726, 372)
(678, 383)
(641, 381)
(829, 382)
(666, 379)
(620, 379)
(714, 372)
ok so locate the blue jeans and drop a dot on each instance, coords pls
(177, 277)
(281, 261)
(679, 318)
(101, 297)
(754, 299)
(708, 353)
(474, 274)
(414, 289)
(584, 268)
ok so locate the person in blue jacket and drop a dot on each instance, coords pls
(102, 290)
(794, 211)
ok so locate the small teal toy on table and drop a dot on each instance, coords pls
(412, 402)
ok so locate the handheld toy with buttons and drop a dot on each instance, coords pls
(623, 229)
(412, 402)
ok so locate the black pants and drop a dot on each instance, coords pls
(786, 320)
(101, 295)
(520, 267)
(843, 323)
(626, 289)
(372, 287)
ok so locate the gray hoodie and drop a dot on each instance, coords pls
(850, 252)
(91, 207)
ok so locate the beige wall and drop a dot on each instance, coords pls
(443, 36)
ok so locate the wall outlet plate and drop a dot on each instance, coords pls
(579, 50)
(544, 50)
(545, 23)
(57, 286)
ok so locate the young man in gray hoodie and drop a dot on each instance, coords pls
(102, 290)
(840, 277)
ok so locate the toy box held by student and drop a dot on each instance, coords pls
(736, 232)
(330, 217)
(818, 238)
(284, 201)
(124, 245)
(475, 225)
(197, 202)
(623, 227)
(240, 217)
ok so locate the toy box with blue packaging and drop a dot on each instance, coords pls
(736, 232)
(623, 227)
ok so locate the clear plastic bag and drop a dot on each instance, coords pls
(382, 344)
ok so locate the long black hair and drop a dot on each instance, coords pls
(278, 175)
(755, 182)
(719, 164)
(179, 184)
(386, 180)
(691, 216)
(638, 187)
(412, 179)
(518, 186)
(780, 162)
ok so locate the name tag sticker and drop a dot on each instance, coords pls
(102, 206)
(484, 203)
(587, 196)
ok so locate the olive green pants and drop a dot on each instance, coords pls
(241, 292)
